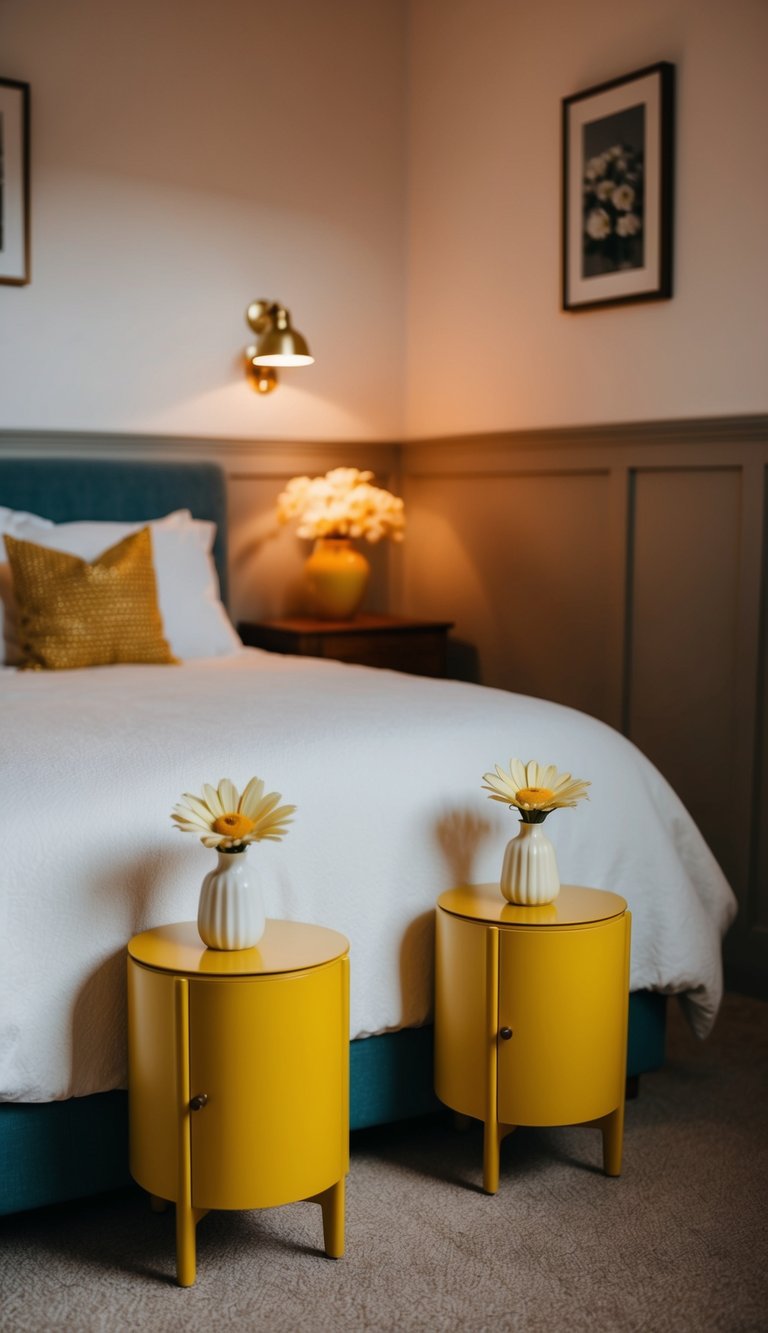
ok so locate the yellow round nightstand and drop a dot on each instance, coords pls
(531, 1008)
(238, 1067)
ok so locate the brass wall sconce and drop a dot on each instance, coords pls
(279, 344)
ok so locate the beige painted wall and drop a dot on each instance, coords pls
(188, 157)
(489, 348)
(383, 166)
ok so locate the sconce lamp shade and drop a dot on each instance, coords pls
(279, 344)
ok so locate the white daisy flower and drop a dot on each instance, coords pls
(598, 224)
(534, 789)
(222, 818)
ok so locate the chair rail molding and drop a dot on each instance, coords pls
(258, 457)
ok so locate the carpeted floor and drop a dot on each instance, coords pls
(680, 1242)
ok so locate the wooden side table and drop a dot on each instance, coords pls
(531, 1008)
(238, 1067)
(396, 642)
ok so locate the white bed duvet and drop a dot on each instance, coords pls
(386, 771)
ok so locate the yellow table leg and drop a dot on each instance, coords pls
(332, 1203)
(612, 1128)
(491, 1145)
(185, 1245)
(494, 1132)
(186, 1215)
(186, 1224)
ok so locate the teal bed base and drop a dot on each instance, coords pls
(53, 1151)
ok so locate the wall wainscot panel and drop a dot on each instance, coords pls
(621, 570)
(524, 566)
(682, 624)
(754, 954)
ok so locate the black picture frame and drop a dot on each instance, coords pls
(14, 182)
(618, 167)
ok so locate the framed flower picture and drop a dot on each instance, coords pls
(14, 182)
(617, 190)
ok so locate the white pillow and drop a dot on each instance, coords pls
(194, 619)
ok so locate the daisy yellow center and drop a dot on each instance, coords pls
(534, 795)
(235, 826)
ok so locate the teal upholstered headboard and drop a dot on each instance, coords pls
(67, 489)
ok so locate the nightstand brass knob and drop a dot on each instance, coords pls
(505, 1033)
(197, 1103)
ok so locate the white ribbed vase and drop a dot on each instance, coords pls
(230, 914)
(529, 873)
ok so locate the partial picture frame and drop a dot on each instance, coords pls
(618, 168)
(14, 182)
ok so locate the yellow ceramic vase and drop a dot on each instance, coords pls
(336, 576)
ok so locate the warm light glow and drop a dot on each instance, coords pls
(283, 359)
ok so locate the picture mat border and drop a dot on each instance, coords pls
(14, 253)
(654, 87)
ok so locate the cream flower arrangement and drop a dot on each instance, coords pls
(343, 503)
(613, 207)
(534, 789)
(224, 819)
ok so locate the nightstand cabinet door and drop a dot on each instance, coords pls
(158, 1094)
(563, 994)
(465, 1014)
(270, 1055)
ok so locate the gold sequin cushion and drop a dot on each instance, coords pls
(76, 614)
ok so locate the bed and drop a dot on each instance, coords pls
(386, 772)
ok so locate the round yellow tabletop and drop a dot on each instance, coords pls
(574, 906)
(285, 946)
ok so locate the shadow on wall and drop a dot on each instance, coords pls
(99, 1025)
(99, 1014)
(417, 955)
(459, 834)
